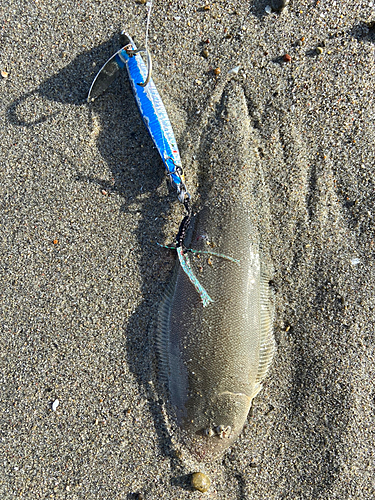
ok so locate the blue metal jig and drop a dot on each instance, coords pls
(150, 106)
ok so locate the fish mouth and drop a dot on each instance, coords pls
(209, 444)
(208, 430)
(206, 448)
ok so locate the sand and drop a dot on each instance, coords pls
(84, 201)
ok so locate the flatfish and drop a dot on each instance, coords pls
(213, 359)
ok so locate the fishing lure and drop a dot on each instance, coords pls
(150, 106)
(156, 119)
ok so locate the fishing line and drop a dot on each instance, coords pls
(149, 6)
(148, 54)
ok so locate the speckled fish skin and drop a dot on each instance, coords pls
(214, 358)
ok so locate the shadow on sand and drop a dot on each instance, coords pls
(137, 173)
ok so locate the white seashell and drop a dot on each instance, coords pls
(55, 404)
(234, 70)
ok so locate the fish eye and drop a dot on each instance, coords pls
(223, 431)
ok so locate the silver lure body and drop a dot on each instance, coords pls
(213, 359)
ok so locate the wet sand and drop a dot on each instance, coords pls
(84, 201)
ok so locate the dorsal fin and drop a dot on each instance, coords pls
(267, 340)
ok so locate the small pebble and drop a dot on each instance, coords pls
(205, 53)
(287, 58)
(55, 404)
(4, 73)
(217, 71)
(206, 7)
(200, 482)
(319, 50)
(268, 9)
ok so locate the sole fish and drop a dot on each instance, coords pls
(214, 358)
